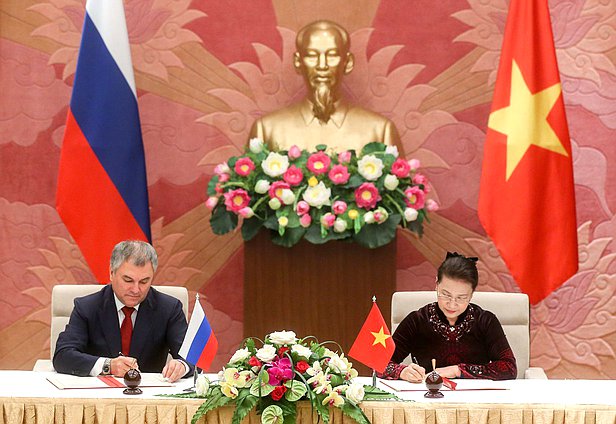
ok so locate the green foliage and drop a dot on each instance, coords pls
(354, 412)
(216, 399)
(377, 235)
(222, 221)
(244, 403)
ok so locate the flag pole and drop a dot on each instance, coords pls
(373, 370)
(196, 372)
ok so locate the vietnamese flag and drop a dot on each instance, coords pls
(373, 346)
(526, 200)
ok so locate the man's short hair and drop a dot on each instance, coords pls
(322, 24)
(137, 252)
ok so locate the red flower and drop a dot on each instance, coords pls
(244, 166)
(236, 200)
(278, 392)
(276, 188)
(302, 366)
(318, 163)
(293, 176)
(400, 168)
(254, 362)
(367, 196)
(282, 351)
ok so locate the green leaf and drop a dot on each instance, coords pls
(354, 412)
(272, 415)
(373, 147)
(322, 410)
(374, 393)
(261, 387)
(216, 400)
(320, 147)
(222, 221)
(313, 235)
(211, 186)
(355, 181)
(251, 227)
(290, 237)
(244, 403)
(416, 227)
(296, 391)
(377, 235)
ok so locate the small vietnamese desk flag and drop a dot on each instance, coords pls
(373, 346)
(527, 199)
(102, 192)
(200, 345)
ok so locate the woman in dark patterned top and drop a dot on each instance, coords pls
(465, 340)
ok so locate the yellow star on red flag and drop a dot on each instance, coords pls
(380, 337)
(525, 120)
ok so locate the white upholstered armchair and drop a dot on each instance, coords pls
(62, 298)
(511, 309)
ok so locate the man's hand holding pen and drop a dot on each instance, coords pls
(121, 364)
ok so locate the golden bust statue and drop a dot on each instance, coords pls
(323, 117)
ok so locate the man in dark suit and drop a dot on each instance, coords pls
(125, 325)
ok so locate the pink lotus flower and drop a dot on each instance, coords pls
(339, 174)
(328, 219)
(400, 168)
(302, 207)
(305, 220)
(244, 166)
(211, 202)
(280, 371)
(344, 157)
(275, 190)
(235, 200)
(414, 164)
(246, 212)
(367, 196)
(431, 205)
(421, 179)
(223, 178)
(415, 197)
(339, 207)
(318, 163)
(293, 176)
(294, 152)
(222, 168)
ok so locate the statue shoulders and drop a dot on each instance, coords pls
(360, 113)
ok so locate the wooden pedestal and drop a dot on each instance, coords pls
(321, 290)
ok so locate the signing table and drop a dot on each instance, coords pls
(28, 397)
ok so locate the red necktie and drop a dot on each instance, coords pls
(126, 330)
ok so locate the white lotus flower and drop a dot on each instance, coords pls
(275, 164)
(255, 145)
(282, 337)
(318, 195)
(370, 167)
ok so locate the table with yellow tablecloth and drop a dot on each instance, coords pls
(27, 397)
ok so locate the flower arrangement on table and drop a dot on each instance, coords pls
(283, 371)
(319, 196)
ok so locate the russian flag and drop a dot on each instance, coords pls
(102, 187)
(200, 345)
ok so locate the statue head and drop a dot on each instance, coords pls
(323, 58)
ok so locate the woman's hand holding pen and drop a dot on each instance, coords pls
(414, 372)
(121, 364)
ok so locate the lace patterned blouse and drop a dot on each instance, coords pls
(476, 343)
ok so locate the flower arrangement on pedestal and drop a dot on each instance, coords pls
(319, 196)
(283, 371)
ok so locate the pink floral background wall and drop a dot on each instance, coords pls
(206, 70)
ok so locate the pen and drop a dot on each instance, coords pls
(134, 360)
(415, 360)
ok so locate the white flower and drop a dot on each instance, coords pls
(340, 225)
(239, 355)
(262, 186)
(392, 150)
(202, 385)
(338, 365)
(282, 337)
(391, 182)
(283, 221)
(355, 393)
(318, 195)
(370, 167)
(369, 217)
(301, 350)
(256, 145)
(266, 353)
(287, 196)
(275, 164)
(410, 214)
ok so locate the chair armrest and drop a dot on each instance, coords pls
(535, 373)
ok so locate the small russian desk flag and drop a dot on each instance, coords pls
(200, 345)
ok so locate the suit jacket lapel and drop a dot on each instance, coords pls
(108, 316)
(143, 325)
